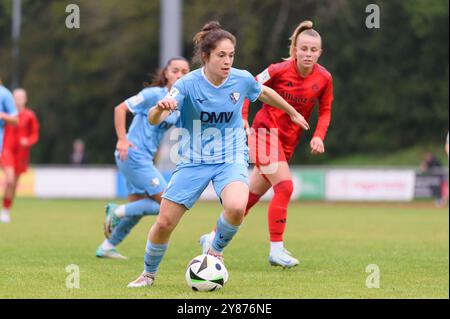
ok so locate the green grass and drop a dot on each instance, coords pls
(335, 242)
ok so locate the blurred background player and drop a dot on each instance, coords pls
(78, 156)
(17, 143)
(302, 82)
(432, 166)
(8, 115)
(134, 156)
(210, 97)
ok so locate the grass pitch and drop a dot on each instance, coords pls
(335, 242)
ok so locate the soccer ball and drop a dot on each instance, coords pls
(206, 273)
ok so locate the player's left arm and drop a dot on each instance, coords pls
(325, 102)
(33, 136)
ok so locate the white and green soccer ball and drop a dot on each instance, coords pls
(206, 273)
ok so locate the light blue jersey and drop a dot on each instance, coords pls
(213, 134)
(140, 174)
(142, 134)
(8, 106)
(211, 117)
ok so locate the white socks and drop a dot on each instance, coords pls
(276, 245)
(120, 211)
(4, 216)
(107, 245)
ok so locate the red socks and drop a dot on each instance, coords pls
(7, 203)
(278, 209)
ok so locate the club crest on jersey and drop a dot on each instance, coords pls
(315, 87)
(174, 92)
(235, 97)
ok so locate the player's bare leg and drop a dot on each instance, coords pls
(259, 185)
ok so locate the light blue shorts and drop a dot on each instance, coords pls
(190, 180)
(141, 176)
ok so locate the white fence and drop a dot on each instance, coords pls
(317, 183)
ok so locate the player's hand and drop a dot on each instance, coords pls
(167, 104)
(23, 141)
(122, 147)
(298, 119)
(2, 115)
(317, 146)
(246, 126)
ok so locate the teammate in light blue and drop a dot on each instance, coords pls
(8, 114)
(213, 146)
(134, 158)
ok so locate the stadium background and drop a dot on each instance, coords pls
(390, 83)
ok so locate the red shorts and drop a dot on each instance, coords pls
(11, 158)
(266, 148)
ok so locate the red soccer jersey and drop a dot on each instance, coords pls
(14, 153)
(302, 93)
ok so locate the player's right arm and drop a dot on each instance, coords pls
(120, 118)
(172, 101)
(161, 110)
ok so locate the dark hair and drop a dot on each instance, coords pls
(159, 78)
(206, 40)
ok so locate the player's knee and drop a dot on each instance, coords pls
(284, 188)
(164, 225)
(235, 212)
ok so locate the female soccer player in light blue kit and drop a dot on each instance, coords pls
(134, 158)
(213, 144)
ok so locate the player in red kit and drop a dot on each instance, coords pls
(273, 137)
(16, 149)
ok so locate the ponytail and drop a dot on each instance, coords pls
(307, 28)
